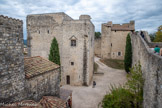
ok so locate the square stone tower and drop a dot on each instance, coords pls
(75, 39)
(113, 39)
(12, 76)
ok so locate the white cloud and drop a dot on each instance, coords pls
(146, 13)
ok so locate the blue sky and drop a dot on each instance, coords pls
(146, 13)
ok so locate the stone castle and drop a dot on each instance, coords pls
(33, 77)
(75, 39)
(113, 40)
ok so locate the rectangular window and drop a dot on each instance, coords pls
(73, 42)
(119, 53)
(72, 63)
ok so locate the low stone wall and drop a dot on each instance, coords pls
(97, 47)
(152, 71)
(46, 84)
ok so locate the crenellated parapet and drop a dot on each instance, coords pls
(6, 19)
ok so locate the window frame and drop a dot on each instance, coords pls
(73, 43)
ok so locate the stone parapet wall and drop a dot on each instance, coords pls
(152, 71)
(12, 76)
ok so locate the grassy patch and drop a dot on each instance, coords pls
(95, 67)
(117, 64)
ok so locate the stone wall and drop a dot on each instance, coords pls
(152, 71)
(12, 76)
(47, 84)
(97, 47)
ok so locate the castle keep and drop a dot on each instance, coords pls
(75, 39)
(12, 75)
(113, 39)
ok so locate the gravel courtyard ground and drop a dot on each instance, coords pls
(88, 97)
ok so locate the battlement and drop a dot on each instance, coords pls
(121, 27)
(84, 17)
(8, 19)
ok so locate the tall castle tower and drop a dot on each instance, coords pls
(75, 39)
(12, 76)
(113, 39)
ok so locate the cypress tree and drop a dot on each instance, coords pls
(54, 55)
(128, 54)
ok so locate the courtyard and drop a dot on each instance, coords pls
(88, 97)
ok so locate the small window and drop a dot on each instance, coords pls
(39, 31)
(48, 31)
(72, 63)
(73, 42)
(119, 53)
(111, 44)
(115, 30)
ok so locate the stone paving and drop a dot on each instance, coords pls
(88, 97)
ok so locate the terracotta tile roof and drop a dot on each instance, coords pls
(52, 102)
(65, 94)
(34, 66)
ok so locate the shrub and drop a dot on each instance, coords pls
(135, 84)
(128, 96)
(128, 54)
(54, 55)
(119, 98)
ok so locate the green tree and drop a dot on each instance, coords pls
(152, 36)
(128, 54)
(158, 37)
(97, 35)
(54, 55)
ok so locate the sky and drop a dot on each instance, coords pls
(146, 13)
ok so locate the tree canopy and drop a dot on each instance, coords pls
(97, 35)
(158, 37)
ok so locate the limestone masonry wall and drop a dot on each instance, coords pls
(12, 76)
(42, 28)
(152, 71)
(45, 84)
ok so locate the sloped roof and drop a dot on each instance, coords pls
(52, 102)
(34, 66)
